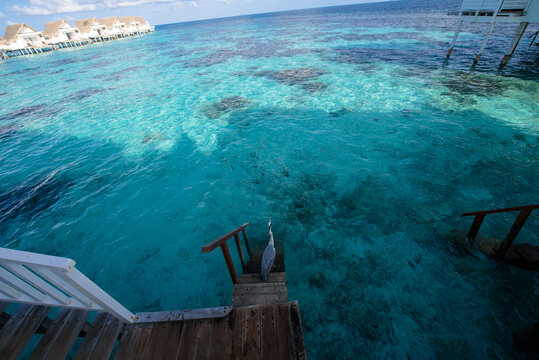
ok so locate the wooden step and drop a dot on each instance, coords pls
(258, 257)
(253, 266)
(273, 277)
(259, 294)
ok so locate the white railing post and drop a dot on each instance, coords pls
(38, 279)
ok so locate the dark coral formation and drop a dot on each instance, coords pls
(226, 105)
(302, 77)
(118, 75)
(22, 71)
(296, 76)
(7, 131)
(470, 84)
(41, 110)
(85, 93)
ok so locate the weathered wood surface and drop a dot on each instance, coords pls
(181, 315)
(253, 266)
(260, 324)
(222, 239)
(525, 256)
(19, 329)
(273, 277)
(249, 332)
(59, 338)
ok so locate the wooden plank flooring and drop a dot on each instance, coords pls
(261, 324)
(270, 331)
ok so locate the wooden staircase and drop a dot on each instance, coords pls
(522, 255)
(251, 290)
(260, 324)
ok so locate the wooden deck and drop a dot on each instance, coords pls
(261, 324)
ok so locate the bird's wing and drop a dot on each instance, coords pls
(267, 259)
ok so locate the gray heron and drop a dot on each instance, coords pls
(269, 256)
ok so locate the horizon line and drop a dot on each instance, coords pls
(278, 12)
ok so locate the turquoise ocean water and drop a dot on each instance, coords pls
(344, 124)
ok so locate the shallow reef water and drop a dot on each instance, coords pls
(346, 125)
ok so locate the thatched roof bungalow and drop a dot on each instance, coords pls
(131, 25)
(90, 28)
(20, 36)
(60, 31)
(114, 26)
(143, 25)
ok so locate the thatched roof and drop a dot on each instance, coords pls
(85, 25)
(52, 28)
(13, 30)
(127, 20)
(140, 20)
(108, 21)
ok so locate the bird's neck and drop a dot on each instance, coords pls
(271, 238)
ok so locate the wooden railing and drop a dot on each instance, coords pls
(221, 242)
(38, 279)
(524, 213)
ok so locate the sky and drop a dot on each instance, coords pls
(36, 13)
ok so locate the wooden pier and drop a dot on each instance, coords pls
(260, 324)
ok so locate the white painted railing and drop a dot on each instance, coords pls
(494, 5)
(38, 279)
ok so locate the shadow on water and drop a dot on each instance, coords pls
(376, 232)
(32, 197)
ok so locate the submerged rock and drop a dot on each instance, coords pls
(340, 112)
(32, 197)
(226, 105)
(318, 279)
(153, 138)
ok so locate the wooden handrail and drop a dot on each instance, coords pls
(518, 208)
(524, 213)
(221, 242)
(222, 239)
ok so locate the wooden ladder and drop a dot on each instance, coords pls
(524, 255)
(249, 289)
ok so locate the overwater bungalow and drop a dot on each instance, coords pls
(521, 12)
(91, 30)
(22, 39)
(61, 33)
(143, 25)
(113, 26)
(131, 25)
(3, 48)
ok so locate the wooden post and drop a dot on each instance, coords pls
(246, 242)
(474, 229)
(515, 229)
(454, 40)
(240, 250)
(229, 263)
(484, 44)
(516, 39)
